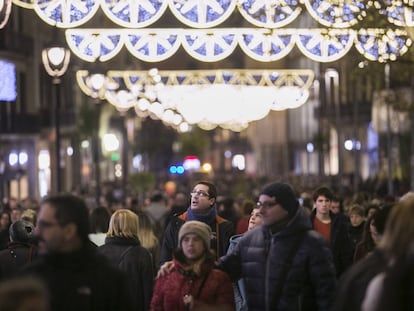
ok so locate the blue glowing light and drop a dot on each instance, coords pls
(7, 81)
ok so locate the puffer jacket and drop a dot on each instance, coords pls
(260, 256)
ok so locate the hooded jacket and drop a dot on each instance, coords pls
(260, 257)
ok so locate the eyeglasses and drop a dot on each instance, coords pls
(266, 204)
(41, 224)
(200, 193)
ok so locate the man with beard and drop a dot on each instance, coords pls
(76, 276)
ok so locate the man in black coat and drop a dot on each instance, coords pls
(285, 265)
(76, 276)
(334, 228)
(202, 208)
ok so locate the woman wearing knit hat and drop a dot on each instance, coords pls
(193, 284)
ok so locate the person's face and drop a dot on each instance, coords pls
(50, 234)
(192, 246)
(271, 211)
(200, 199)
(371, 212)
(355, 219)
(374, 233)
(255, 219)
(335, 207)
(323, 205)
(4, 221)
(15, 215)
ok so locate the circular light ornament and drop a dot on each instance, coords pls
(270, 14)
(66, 13)
(202, 14)
(382, 45)
(398, 12)
(122, 99)
(264, 45)
(132, 13)
(325, 45)
(338, 13)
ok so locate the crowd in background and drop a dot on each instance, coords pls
(371, 240)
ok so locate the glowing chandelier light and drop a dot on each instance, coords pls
(208, 98)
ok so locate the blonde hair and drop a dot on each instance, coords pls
(399, 231)
(146, 232)
(29, 215)
(124, 224)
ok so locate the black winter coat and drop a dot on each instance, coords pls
(129, 256)
(340, 242)
(14, 258)
(260, 257)
(353, 284)
(223, 229)
(81, 281)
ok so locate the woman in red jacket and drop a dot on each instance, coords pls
(193, 284)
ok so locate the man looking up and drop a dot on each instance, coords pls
(202, 208)
(76, 276)
(334, 228)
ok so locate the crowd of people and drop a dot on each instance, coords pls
(280, 250)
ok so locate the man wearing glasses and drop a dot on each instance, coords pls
(202, 208)
(285, 265)
(77, 277)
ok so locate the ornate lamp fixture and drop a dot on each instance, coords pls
(56, 59)
(208, 98)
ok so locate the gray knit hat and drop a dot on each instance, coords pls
(198, 228)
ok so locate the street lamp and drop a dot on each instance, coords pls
(97, 82)
(55, 58)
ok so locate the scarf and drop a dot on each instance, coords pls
(208, 217)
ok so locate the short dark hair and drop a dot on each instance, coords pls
(212, 190)
(70, 209)
(322, 191)
(99, 220)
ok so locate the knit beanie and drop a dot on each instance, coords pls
(21, 231)
(198, 228)
(284, 195)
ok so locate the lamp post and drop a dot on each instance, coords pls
(97, 82)
(332, 88)
(56, 59)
